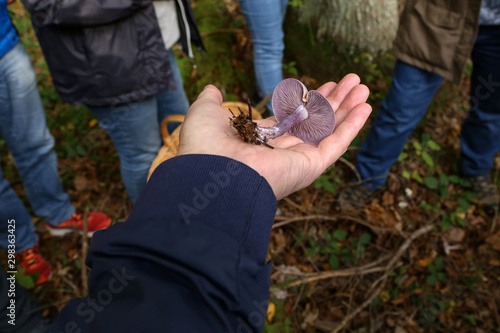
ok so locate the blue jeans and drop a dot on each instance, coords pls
(265, 21)
(412, 90)
(134, 129)
(24, 129)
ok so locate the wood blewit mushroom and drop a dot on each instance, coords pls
(305, 114)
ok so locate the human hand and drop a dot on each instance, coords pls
(292, 164)
(10, 2)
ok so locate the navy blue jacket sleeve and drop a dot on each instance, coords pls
(190, 258)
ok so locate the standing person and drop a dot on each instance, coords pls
(434, 41)
(265, 21)
(192, 255)
(176, 24)
(111, 57)
(23, 127)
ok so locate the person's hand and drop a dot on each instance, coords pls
(10, 1)
(292, 164)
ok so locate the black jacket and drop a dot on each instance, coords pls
(105, 52)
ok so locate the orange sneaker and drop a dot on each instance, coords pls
(32, 261)
(95, 221)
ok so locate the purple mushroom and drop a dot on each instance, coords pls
(306, 115)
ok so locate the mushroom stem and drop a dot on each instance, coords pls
(282, 127)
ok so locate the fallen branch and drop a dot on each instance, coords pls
(85, 245)
(352, 167)
(362, 270)
(388, 269)
(333, 219)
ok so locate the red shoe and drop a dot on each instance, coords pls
(32, 261)
(95, 221)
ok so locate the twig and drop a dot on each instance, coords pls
(71, 284)
(495, 217)
(334, 219)
(292, 203)
(388, 269)
(362, 270)
(84, 250)
(353, 168)
(46, 306)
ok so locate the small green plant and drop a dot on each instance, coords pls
(471, 318)
(290, 68)
(436, 271)
(329, 181)
(340, 249)
(324, 182)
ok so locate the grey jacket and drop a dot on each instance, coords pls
(104, 52)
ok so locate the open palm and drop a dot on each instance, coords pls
(293, 164)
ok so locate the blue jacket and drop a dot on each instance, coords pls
(189, 259)
(8, 34)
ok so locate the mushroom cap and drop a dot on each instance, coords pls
(290, 94)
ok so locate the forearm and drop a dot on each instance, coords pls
(81, 13)
(190, 258)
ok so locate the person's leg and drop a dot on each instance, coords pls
(480, 137)
(173, 101)
(134, 130)
(24, 129)
(265, 21)
(11, 208)
(411, 91)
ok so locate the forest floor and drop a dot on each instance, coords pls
(420, 256)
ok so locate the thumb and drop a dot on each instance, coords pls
(210, 94)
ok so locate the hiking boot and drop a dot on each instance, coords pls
(95, 221)
(353, 196)
(485, 190)
(33, 262)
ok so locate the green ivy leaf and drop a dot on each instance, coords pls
(431, 280)
(365, 238)
(445, 223)
(26, 281)
(443, 180)
(417, 177)
(428, 159)
(438, 263)
(454, 179)
(334, 262)
(403, 156)
(433, 145)
(417, 146)
(340, 234)
(431, 182)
